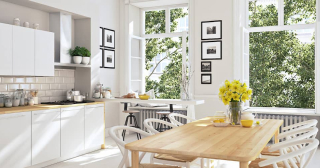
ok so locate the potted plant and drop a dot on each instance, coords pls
(85, 55)
(76, 54)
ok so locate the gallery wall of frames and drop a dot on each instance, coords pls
(211, 47)
(107, 47)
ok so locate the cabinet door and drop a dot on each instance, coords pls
(45, 135)
(44, 53)
(23, 51)
(6, 49)
(72, 130)
(15, 140)
(94, 126)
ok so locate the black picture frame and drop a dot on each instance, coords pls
(202, 82)
(103, 59)
(202, 54)
(113, 38)
(213, 21)
(205, 70)
(101, 37)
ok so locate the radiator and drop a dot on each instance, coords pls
(149, 113)
(287, 119)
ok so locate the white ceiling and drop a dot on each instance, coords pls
(155, 3)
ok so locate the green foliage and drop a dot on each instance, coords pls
(168, 87)
(79, 51)
(282, 69)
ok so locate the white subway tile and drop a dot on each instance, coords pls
(41, 93)
(13, 87)
(58, 79)
(3, 87)
(70, 86)
(44, 99)
(63, 87)
(60, 98)
(19, 80)
(0, 80)
(62, 92)
(49, 93)
(49, 79)
(40, 79)
(56, 73)
(70, 73)
(45, 86)
(54, 86)
(71, 80)
(7, 80)
(30, 80)
(25, 86)
(66, 80)
(36, 86)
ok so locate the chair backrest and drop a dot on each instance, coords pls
(304, 124)
(114, 133)
(148, 123)
(176, 122)
(311, 147)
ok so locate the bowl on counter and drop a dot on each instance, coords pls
(247, 123)
(144, 97)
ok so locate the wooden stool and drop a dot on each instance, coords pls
(132, 118)
(164, 117)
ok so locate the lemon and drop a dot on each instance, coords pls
(221, 120)
(216, 121)
(258, 122)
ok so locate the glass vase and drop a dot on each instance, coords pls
(234, 111)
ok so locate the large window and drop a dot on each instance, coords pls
(282, 57)
(164, 55)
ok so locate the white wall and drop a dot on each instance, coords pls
(9, 11)
(206, 10)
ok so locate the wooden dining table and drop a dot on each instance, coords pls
(201, 139)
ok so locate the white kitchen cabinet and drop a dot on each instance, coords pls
(45, 135)
(23, 51)
(15, 140)
(72, 130)
(94, 126)
(6, 49)
(44, 53)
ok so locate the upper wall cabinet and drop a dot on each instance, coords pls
(23, 51)
(44, 53)
(6, 49)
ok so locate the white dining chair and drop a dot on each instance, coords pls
(173, 119)
(291, 132)
(309, 147)
(179, 160)
(114, 133)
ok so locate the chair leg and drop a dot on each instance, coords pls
(124, 131)
(137, 126)
(187, 164)
(202, 163)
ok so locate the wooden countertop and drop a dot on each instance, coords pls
(154, 101)
(41, 107)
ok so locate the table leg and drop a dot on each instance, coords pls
(135, 159)
(276, 139)
(244, 164)
(191, 111)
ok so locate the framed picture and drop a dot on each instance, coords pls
(211, 30)
(101, 57)
(109, 38)
(108, 58)
(206, 66)
(211, 50)
(205, 78)
(101, 37)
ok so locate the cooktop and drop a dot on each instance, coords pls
(67, 102)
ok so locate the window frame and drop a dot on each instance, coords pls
(243, 24)
(168, 33)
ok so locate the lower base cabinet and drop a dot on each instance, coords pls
(15, 140)
(72, 130)
(45, 135)
(94, 126)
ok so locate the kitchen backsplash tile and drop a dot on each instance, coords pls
(49, 88)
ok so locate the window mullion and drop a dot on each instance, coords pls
(280, 12)
(168, 20)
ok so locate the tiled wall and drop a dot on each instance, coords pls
(50, 88)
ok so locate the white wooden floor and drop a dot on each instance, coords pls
(111, 157)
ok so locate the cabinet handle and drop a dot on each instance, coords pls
(45, 113)
(12, 117)
(93, 107)
(72, 110)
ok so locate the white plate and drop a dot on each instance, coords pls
(220, 124)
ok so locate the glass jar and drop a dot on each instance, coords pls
(16, 99)
(234, 112)
(8, 101)
(1, 100)
(31, 102)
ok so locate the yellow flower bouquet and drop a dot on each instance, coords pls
(232, 94)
